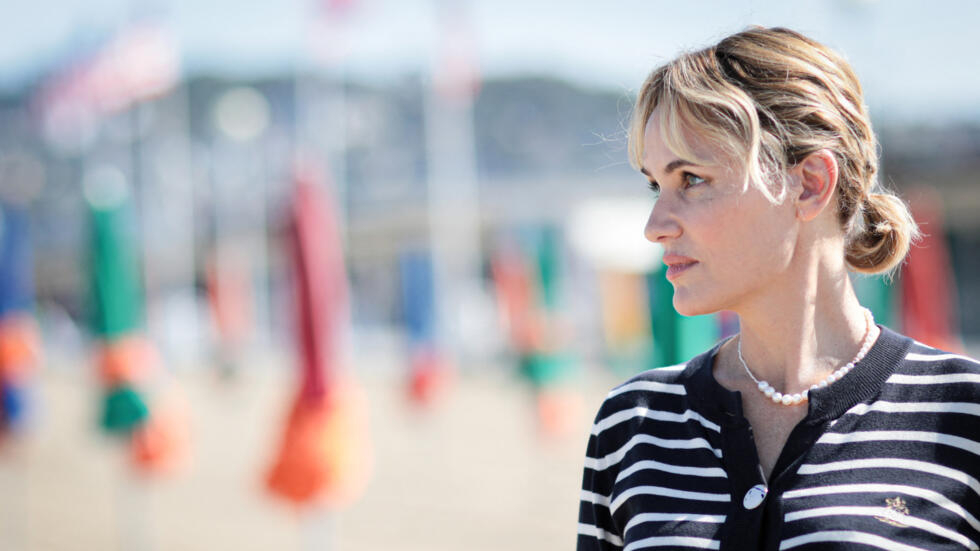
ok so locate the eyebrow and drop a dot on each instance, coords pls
(671, 166)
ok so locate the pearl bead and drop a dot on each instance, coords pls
(798, 398)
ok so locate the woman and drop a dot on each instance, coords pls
(812, 428)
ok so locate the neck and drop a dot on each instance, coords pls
(802, 329)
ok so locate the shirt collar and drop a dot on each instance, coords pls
(859, 385)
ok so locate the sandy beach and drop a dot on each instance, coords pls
(472, 473)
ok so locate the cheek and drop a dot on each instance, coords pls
(746, 241)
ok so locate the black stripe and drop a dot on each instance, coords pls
(765, 527)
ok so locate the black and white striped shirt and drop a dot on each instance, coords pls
(887, 458)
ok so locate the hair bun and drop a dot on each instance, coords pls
(883, 239)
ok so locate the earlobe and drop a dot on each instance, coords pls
(817, 176)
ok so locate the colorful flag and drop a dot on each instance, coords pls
(124, 355)
(20, 345)
(325, 452)
(429, 373)
(928, 286)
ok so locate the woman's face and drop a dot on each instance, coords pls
(725, 246)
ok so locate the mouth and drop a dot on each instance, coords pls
(677, 265)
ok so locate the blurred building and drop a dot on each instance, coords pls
(543, 147)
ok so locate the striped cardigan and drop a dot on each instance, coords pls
(888, 458)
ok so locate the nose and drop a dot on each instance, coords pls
(662, 224)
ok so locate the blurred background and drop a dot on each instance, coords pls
(356, 274)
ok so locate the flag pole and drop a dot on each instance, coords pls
(453, 192)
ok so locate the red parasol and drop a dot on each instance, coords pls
(928, 287)
(324, 454)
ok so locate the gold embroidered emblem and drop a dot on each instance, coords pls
(896, 504)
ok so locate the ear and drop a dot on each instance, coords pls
(817, 175)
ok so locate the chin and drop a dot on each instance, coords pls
(688, 305)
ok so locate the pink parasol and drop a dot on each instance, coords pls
(324, 453)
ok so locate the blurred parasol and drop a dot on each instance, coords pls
(124, 356)
(927, 286)
(325, 454)
(20, 345)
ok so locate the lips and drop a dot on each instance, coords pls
(677, 265)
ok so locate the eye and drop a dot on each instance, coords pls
(654, 187)
(692, 180)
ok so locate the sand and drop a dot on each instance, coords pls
(472, 473)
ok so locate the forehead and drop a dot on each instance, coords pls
(661, 145)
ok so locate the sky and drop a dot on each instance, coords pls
(916, 59)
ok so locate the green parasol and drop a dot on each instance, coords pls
(115, 297)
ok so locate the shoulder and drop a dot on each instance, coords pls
(921, 355)
(922, 359)
(927, 374)
(656, 395)
(663, 382)
(667, 380)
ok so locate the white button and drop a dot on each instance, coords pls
(755, 496)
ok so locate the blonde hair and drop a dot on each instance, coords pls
(768, 98)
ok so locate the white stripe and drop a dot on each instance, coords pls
(916, 407)
(930, 495)
(675, 541)
(648, 386)
(602, 463)
(655, 414)
(599, 533)
(676, 469)
(594, 498)
(901, 435)
(672, 517)
(891, 463)
(887, 513)
(848, 536)
(934, 379)
(675, 367)
(666, 492)
(926, 346)
(913, 357)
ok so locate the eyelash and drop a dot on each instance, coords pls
(685, 177)
(655, 187)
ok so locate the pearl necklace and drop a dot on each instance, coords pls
(799, 398)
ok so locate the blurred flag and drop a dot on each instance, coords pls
(528, 291)
(428, 371)
(336, 8)
(125, 356)
(927, 285)
(138, 63)
(327, 32)
(230, 295)
(515, 297)
(625, 320)
(457, 71)
(324, 454)
(880, 294)
(20, 343)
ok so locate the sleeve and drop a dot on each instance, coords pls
(597, 529)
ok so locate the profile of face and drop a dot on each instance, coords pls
(725, 244)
